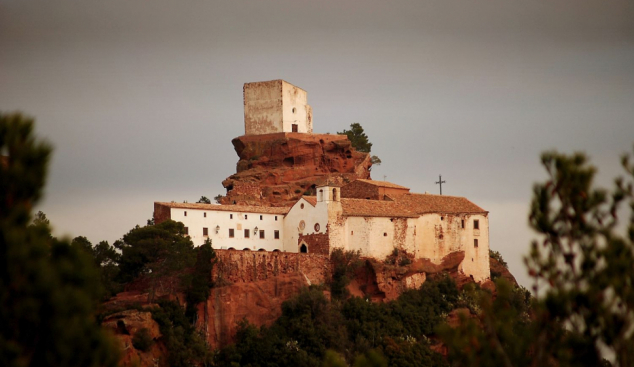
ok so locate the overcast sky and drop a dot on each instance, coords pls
(142, 98)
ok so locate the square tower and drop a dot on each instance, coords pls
(276, 106)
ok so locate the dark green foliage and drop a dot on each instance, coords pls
(312, 329)
(142, 340)
(218, 198)
(201, 281)
(204, 200)
(498, 256)
(357, 137)
(185, 345)
(106, 259)
(48, 288)
(583, 272)
(344, 263)
(159, 250)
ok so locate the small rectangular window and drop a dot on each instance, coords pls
(276, 234)
(351, 233)
(260, 217)
(245, 216)
(261, 234)
(230, 216)
(187, 230)
(246, 233)
(462, 223)
(276, 218)
(205, 231)
(231, 234)
(204, 215)
(475, 242)
(185, 213)
(476, 224)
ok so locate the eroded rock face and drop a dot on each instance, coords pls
(259, 302)
(277, 169)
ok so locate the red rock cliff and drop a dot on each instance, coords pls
(277, 169)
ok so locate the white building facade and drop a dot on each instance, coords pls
(422, 225)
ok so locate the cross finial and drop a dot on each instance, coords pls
(440, 182)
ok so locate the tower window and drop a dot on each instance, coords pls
(246, 233)
(185, 213)
(205, 231)
(245, 216)
(475, 243)
(462, 223)
(260, 217)
(230, 216)
(231, 233)
(276, 234)
(262, 234)
(476, 224)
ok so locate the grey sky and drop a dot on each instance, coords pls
(141, 99)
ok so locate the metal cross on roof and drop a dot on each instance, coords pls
(440, 182)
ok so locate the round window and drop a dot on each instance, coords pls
(302, 225)
(301, 206)
(317, 227)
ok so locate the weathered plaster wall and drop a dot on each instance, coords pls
(295, 109)
(441, 234)
(263, 107)
(195, 220)
(377, 236)
(274, 106)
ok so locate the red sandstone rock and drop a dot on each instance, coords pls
(258, 302)
(277, 169)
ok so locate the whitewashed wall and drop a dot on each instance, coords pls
(195, 221)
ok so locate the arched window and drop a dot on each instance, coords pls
(303, 248)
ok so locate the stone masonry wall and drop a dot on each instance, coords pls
(250, 266)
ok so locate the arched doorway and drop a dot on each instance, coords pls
(303, 248)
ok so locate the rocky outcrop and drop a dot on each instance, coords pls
(383, 282)
(125, 325)
(277, 169)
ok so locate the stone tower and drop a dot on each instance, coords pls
(275, 106)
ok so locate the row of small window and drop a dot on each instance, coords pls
(230, 216)
(247, 234)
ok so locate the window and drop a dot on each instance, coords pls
(260, 217)
(245, 216)
(352, 233)
(185, 213)
(276, 234)
(317, 227)
(442, 218)
(231, 234)
(205, 231)
(262, 234)
(246, 233)
(276, 218)
(187, 230)
(303, 249)
(230, 216)
(301, 206)
(475, 243)
(302, 225)
(462, 223)
(204, 215)
(476, 224)
(294, 128)
(294, 109)
(384, 234)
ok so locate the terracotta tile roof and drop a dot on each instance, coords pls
(383, 184)
(374, 208)
(428, 203)
(229, 208)
(312, 200)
